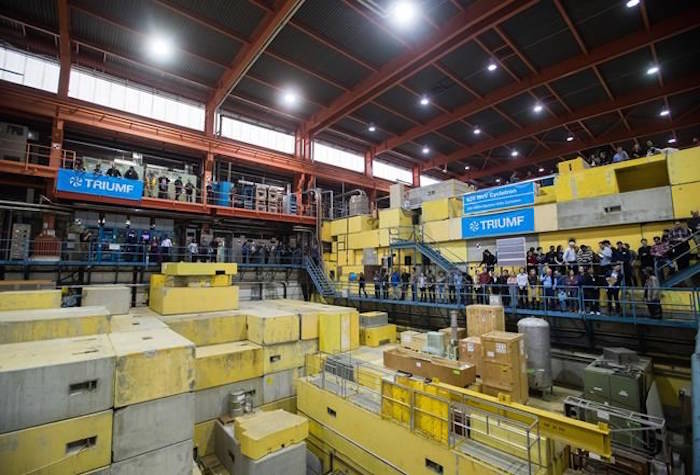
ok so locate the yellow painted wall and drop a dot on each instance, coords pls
(453, 251)
(686, 198)
(339, 226)
(598, 181)
(684, 166)
(361, 223)
(436, 231)
(546, 217)
(630, 233)
(394, 218)
(439, 210)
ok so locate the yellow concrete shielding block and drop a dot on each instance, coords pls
(339, 226)
(267, 326)
(440, 210)
(454, 229)
(436, 231)
(209, 328)
(268, 431)
(131, 323)
(157, 280)
(203, 437)
(326, 231)
(47, 324)
(176, 300)
(395, 218)
(683, 166)
(363, 240)
(151, 364)
(282, 356)
(361, 223)
(453, 251)
(30, 299)
(338, 331)
(546, 218)
(308, 317)
(686, 198)
(225, 363)
(70, 446)
(590, 183)
(375, 336)
(199, 268)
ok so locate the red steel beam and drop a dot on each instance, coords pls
(109, 121)
(479, 17)
(663, 30)
(245, 59)
(657, 127)
(602, 108)
(64, 47)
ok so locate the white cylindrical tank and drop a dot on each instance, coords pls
(539, 352)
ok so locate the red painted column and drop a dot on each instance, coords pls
(369, 163)
(207, 170)
(416, 176)
(56, 144)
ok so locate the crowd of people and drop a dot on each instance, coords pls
(568, 280)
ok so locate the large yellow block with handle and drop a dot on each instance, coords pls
(361, 223)
(282, 356)
(338, 330)
(151, 364)
(176, 300)
(199, 268)
(395, 218)
(268, 326)
(268, 431)
(308, 317)
(225, 363)
(683, 166)
(442, 209)
(375, 336)
(339, 226)
(363, 240)
(30, 299)
(69, 446)
(209, 328)
(46, 324)
(685, 199)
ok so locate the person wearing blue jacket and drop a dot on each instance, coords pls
(549, 285)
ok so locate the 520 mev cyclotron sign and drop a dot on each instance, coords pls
(99, 185)
(501, 197)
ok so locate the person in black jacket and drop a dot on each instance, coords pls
(591, 291)
(489, 260)
(646, 260)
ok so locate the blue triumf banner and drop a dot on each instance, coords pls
(99, 185)
(521, 221)
(491, 199)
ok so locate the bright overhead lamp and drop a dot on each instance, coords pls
(672, 140)
(492, 66)
(514, 153)
(403, 13)
(160, 48)
(290, 98)
(570, 138)
(537, 108)
(372, 128)
(467, 167)
(541, 170)
(632, 3)
(498, 180)
(425, 150)
(664, 113)
(477, 131)
(652, 70)
(424, 101)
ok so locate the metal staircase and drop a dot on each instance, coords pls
(684, 275)
(418, 244)
(323, 285)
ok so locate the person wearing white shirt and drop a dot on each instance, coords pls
(165, 246)
(192, 251)
(570, 256)
(522, 283)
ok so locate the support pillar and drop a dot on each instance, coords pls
(56, 152)
(302, 146)
(369, 163)
(416, 176)
(299, 180)
(207, 170)
(209, 116)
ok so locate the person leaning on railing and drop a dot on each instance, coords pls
(652, 294)
(680, 247)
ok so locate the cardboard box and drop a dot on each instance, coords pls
(447, 371)
(46, 324)
(177, 300)
(226, 363)
(262, 433)
(375, 336)
(199, 268)
(50, 380)
(461, 332)
(485, 318)
(151, 364)
(269, 326)
(471, 351)
(503, 347)
(30, 299)
(504, 365)
(210, 328)
(69, 446)
(413, 340)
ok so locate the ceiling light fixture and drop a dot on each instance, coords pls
(537, 108)
(498, 180)
(424, 101)
(492, 66)
(570, 138)
(425, 150)
(467, 167)
(664, 113)
(372, 128)
(672, 140)
(652, 70)
(477, 131)
(514, 153)
(541, 170)
(290, 98)
(160, 48)
(632, 3)
(403, 13)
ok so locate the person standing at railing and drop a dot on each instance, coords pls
(396, 284)
(131, 242)
(549, 284)
(451, 297)
(541, 259)
(430, 282)
(377, 279)
(151, 182)
(622, 256)
(659, 252)
(680, 247)
(459, 285)
(501, 287)
(154, 250)
(178, 188)
(606, 257)
(385, 284)
(131, 173)
(533, 289)
(421, 286)
(569, 257)
(192, 250)
(483, 280)
(614, 279)
(189, 191)
(652, 294)
(467, 288)
(512, 283)
(405, 279)
(441, 287)
(85, 244)
(694, 222)
(522, 283)
(97, 170)
(163, 183)
(573, 289)
(559, 260)
(114, 171)
(646, 260)
(165, 248)
(584, 258)
(591, 291)
(560, 289)
(362, 283)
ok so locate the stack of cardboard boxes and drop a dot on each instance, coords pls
(481, 319)
(504, 366)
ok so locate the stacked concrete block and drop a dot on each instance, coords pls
(116, 298)
(42, 324)
(193, 287)
(134, 322)
(153, 404)
(30, 299)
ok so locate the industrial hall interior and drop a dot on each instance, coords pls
(349, 237)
